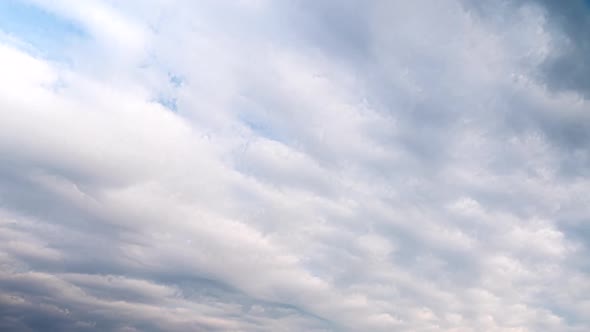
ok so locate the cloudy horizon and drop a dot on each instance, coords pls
(261, 165)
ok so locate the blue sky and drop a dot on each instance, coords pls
(258, 165)
(46, 32)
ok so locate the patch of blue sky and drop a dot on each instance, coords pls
(175, 80)
(168, 102)
(260, 128)
(47, 33)
(168, 99)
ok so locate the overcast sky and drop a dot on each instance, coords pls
(295, 165)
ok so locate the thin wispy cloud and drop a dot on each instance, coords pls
(266, 165)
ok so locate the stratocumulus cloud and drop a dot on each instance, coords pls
(262, 165)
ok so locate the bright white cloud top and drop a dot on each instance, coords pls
(295, 165)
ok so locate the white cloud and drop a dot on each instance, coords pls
(418, 175)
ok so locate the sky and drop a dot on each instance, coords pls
(270, 165)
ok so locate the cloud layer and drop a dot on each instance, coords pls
(295, 166)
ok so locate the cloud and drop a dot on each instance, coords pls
(567, 68)
(264, 166)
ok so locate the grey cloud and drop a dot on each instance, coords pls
(568, 68)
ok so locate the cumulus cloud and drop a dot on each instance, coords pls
(273, 166)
